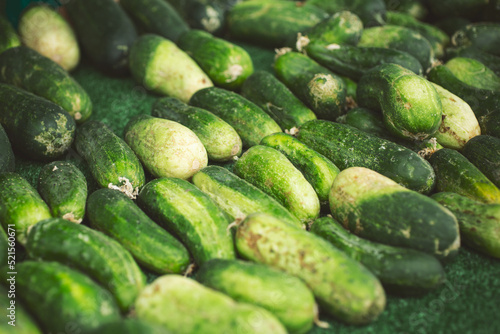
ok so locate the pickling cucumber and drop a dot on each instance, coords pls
(342, 27)
(7, 160)
(484, 36)
(484, 153)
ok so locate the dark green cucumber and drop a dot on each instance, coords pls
(251, 122)
(319, 88)
(104, 31)
(479, 223)
(237, 197)
(191, 215)
(8, 38)
(401, 270)
(474, 73)
(484, 153)
(454, 173)
(64, 188)
(274, 97)
(371, 12)
(484, 36)
(67, 295)
(343, 27)
(451, 24)
(375, 207)
(20, 205)
(285, 296)
(37, 128)
(128, 326)
(90, 252)
(111, 161)
(220, 139)
(227, 64)
(117, 216)
(316, 168)
(7, 160)
(416, 8)
(157, 17)
(18, 321)
(489, 60)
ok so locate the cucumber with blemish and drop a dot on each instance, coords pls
(484, 36)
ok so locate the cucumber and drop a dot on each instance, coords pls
(117, 216)
(37, 128)
(20, 205)
(182, 305)
(347, 147)
(166, 148)
(68, 296)
(375, 207)
(371, 12)
(274, 97)
(415, 8)
(110, 160)
(367, 121)
(43, 29)
(342, 27)
(489, 60)
(454, 173)
(90, 252)
(7, 159)
(191, 215)
(162, 67)
(450, 25)
(227, 64)
(9, 37)
(342, 287)
(128, 326)
(484, 153)
(401, 270)
(104, 31)
(270, 170)
(4, 244)
(484, 36)
(64, 188)
(251, 122)
(237, 197)
(220, 139)
(319, 88)
(479, 223)
(316, 168)
(474, 73)
(19, 321)
(285, 296)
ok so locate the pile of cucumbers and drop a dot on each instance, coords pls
(259, 201)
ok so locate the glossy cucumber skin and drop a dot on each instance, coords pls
(343, 27)
(7, 159)
(24, 323)
(484, 153)
(371, 12)
(239, 198)
(484, 36)
(117, 216)
(9, 38)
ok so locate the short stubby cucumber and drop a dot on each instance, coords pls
(7, 159)
(24, 323)
(342, 27)
(9, 38)
(484, 153)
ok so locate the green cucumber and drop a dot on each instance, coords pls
(484, 153)
(166, 148)
(162, 67)
(111, 161)
(69, 297)
(454, 173)
(251, 122)
(489, 60)
(227, 64)
(474, 73)
(371, 12)
(128, 326)
(21, 206)
(285, 296)
(401, 270)
(343, 288)
(347, 146)
(237, 197)
(415, 8)
(343, 27)
(19, 321)
(90, 252)
(367, 121)
(64, 188)
(484, 36)
(191, 215)
(316, 168)
(9, 37)
(7, 160)
(319, 88)
(182, 305)
(220, 139)
(37, 128)
(274, 97)
(270, 170)
(375, 207)
(4, 244)
(479, 223)
(117, 216)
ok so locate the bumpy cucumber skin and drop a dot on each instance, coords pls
(220, 139)
(480, 35)
(9, 38)
(343, 288)
(484, 153)
(347, 147)
(454, 173)
(117, 216)
(375, 207)
(64, 188)
(128, 326)
(479, 223)
(319, 88)
(239, 198)
(7, 160)
(251, 122)
(68, 296)
(37, 128)
(401, 270)
(191, 215)
(20, 205)
(91, 252)
(474, 73)
(285, 296)
(343, 27)
(371, 12)
(24, 322)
